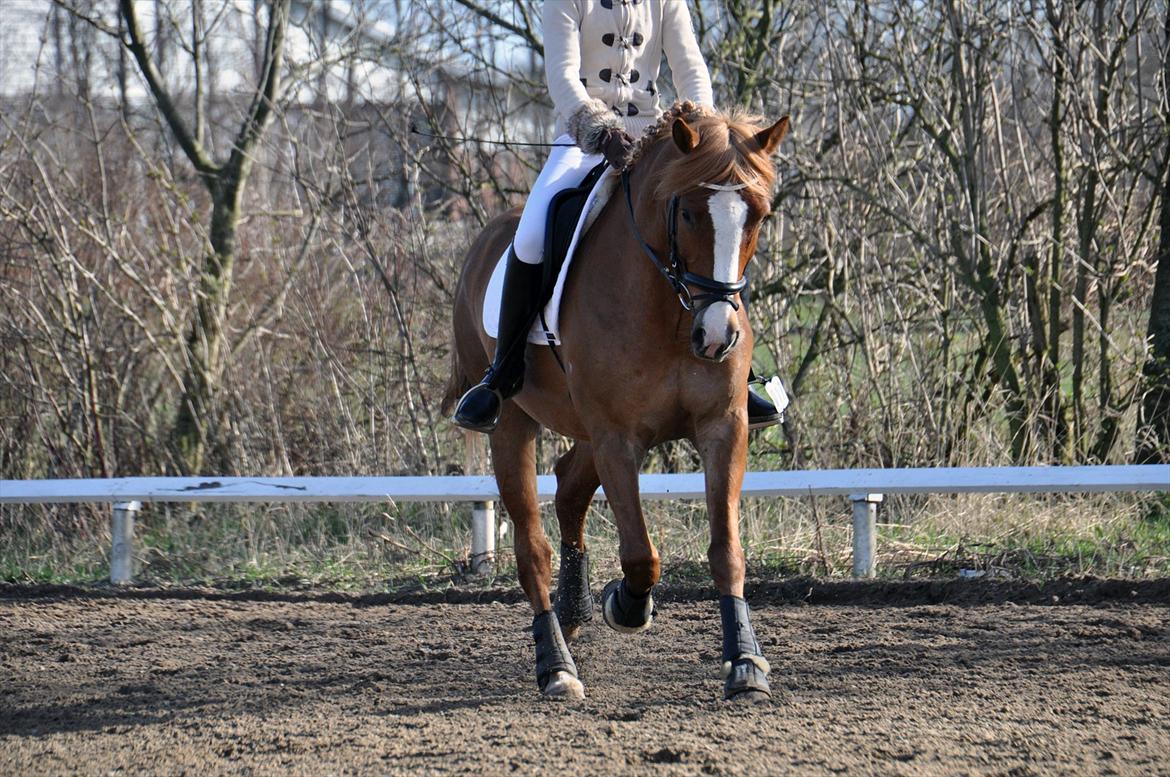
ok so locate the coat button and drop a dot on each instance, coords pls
(631, 110)
(638, 38)
(607, 38)
(606, 74)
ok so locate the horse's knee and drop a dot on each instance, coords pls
(642, 573)
(575, 491)
(727, 565)
(535, 552)
(569, 504)
(571, 518)
(534, 564)
(725, 553)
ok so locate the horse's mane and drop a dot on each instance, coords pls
(726, 153)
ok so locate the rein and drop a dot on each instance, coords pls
(456, 139)
(676, 273)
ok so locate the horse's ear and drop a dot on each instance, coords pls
(685, 136)
(770, 138)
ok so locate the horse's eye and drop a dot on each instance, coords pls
(686, 216)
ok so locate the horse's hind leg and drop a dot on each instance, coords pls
(577, 482)
(513, 447)
(723, 448)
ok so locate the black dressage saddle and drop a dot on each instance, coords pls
(563, 214)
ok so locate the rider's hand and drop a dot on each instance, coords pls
(617, 147)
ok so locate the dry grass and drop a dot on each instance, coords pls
(371, 547)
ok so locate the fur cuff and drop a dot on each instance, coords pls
(588, 125)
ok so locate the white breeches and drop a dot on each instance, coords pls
(566, 167)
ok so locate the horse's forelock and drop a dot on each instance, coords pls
(726, 154)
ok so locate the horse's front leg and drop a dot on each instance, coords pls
(722, 444)
(627, 604)
(513, 446)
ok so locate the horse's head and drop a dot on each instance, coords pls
(714, 178)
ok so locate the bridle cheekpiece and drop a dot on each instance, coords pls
(675, 271)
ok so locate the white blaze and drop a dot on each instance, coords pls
(728, 214)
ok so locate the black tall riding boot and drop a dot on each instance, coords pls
(761, 412)
(479, 409)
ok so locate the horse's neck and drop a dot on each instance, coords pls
(625, 281)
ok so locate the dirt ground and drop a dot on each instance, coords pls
(882, 678)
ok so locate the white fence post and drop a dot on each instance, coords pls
(865, 507)
(122, 534)
(483, 537)
(483, 514)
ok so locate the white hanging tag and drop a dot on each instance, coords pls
(776, 392)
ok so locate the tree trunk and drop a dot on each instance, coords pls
(1051, 422)
(1153, 426)
(196, 422)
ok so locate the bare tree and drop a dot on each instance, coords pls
(1153, 430)
(225, 180)
(964, 265)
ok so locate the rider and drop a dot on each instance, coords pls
(601, 60)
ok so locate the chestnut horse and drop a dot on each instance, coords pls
(656, 347)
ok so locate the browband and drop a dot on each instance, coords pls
(724, 187)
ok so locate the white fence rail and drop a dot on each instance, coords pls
(864, 487)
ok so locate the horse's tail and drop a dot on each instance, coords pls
(457, 384)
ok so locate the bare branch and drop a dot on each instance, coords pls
(188, 142)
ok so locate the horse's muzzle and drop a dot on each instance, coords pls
(715, 332)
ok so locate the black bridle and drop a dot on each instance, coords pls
(675, 272)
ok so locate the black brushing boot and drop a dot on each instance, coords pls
(479, 408)
(556, 672)
(745, 670)
(623, 610)
(574, 604)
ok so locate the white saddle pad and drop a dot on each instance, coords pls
(601, 193)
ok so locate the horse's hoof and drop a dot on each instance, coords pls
(746, 681)
(562, 685)
(571, 632)
(623, 612)
(749, 697)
